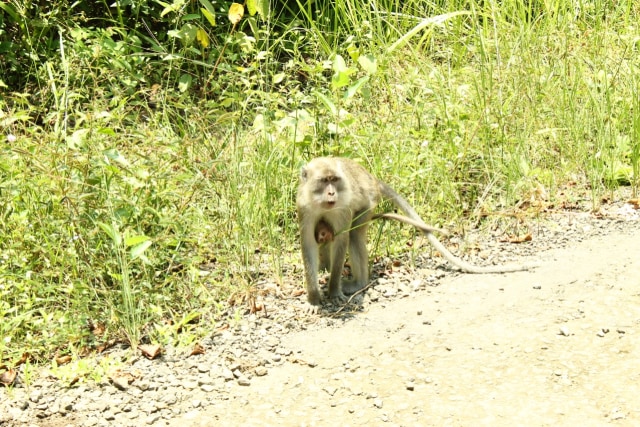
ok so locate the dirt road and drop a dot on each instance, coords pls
(559, 345)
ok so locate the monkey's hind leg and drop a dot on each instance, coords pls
(339, 253)
(359, 257)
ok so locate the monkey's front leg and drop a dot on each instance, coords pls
(310, 258)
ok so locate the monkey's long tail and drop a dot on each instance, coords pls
(470, 268)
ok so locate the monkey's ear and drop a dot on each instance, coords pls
(303, 174)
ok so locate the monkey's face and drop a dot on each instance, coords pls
(324, 232)
(328, 188)
(325, 186)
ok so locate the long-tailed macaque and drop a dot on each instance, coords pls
(335, 202)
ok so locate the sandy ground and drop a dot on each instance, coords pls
(559, 345)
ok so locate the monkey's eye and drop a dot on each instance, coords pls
(329, 179)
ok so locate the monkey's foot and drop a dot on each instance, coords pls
(350, 287)
(339, 298)
(311, 308)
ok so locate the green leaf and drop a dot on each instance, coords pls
(135, 240)
(262, 6)
(339, 65)
(368, 63)
(184, 83)
(113, 154)
(327, 102)
(111, 232)
(252, 6)
(210, 17)
(355, 88)
(138, 250)
(209, 7)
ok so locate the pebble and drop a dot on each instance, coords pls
(244, 381)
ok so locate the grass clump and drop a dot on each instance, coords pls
(128, 163)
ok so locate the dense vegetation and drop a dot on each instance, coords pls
(143, 140)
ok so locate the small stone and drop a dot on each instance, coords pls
(190, 385)
(227, 374)
(208, 388)
(564, 331)
(151, 419)
(377, 403)
(244, 381)
(35, 396)
(142, 384)
(196, 403)
(121, 383)
(271, 342)
(261, 371)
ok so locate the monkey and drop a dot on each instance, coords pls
(335, 201)
(323, 232)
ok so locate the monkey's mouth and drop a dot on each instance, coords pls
(329, 205)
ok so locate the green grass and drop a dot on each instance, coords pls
(110, 201)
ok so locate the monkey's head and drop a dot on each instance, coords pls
(323, 232)
(323, 181)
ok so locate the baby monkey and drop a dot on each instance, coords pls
(335, 203)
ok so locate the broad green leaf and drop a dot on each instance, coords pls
(339, 80)
(252, 7)
(135, 240)
(354, 88)
(77, 138)
(209, 7)
(368, 63)
(210, 17)
(113, 154)
(262, 7)
(329, 104)
(173, 7)
(137, 250)
(339, 65)
(184, 83)
(111, 232)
